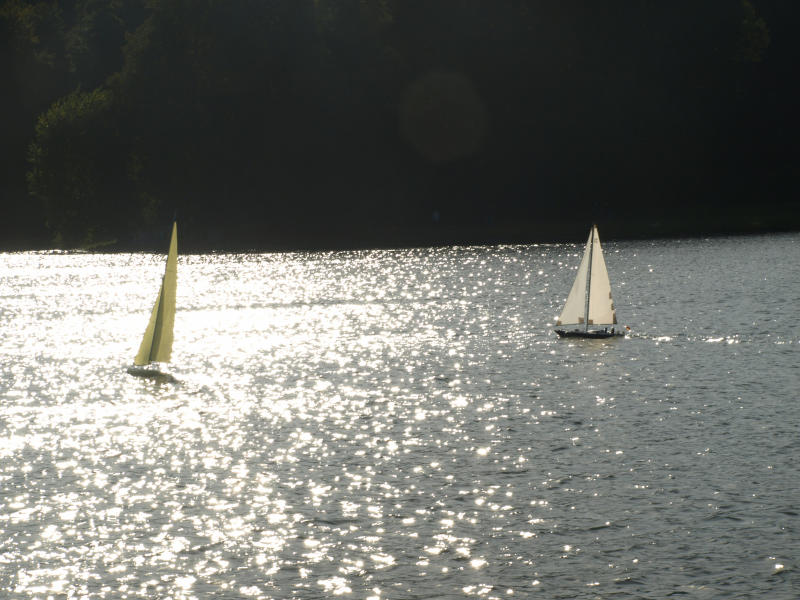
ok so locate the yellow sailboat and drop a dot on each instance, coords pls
(156, 344)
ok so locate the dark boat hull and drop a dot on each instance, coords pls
(151, 373)
(589, 334)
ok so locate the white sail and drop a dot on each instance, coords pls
(157, 341)
(601, 304)
(589, 301)
(575, 307)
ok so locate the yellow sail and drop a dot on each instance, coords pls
(157, 342)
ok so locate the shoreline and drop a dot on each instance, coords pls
(250, 238)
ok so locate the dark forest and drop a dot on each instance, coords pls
(291, 124)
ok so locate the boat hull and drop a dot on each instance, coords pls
(588, 334)
(151, 373)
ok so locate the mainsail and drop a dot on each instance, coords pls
(157, 342)
(601, 304)
(589, 301)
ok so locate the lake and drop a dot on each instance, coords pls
(403, 424)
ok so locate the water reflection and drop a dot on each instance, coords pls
(367, 425)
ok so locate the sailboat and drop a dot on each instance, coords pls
(589, 311)
(156, 346)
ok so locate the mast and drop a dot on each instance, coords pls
(588, 282)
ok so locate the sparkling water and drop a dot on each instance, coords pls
(403, 424)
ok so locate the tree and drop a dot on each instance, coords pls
(753, 36)
(76, 172)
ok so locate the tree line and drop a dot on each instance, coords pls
(311, 123)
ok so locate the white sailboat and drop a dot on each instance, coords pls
(156, 344)
(589, 310)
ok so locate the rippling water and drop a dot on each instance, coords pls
(403, 424)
